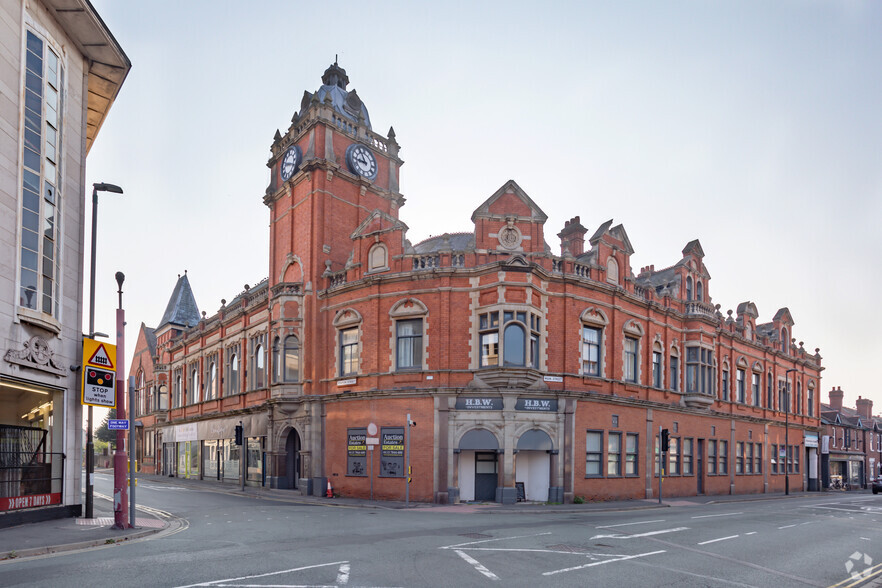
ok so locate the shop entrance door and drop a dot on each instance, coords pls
(292, 460)
(485, 476)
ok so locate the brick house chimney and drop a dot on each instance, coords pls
(572, 237)
(864, 408)
(836, 395)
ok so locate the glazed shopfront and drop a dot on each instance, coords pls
(207, 450)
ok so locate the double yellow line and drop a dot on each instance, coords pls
(864, 576)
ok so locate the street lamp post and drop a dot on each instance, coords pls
(90, 447)
(787, 431)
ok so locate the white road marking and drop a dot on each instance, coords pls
(751, 533)
(786, 526)
(725, 514)
(720, 539)
(343, 574)
(600, 563)
(476, 564)
(491, 540)
(627, 524)
(865, 538)
(222, 582)
(649, 534)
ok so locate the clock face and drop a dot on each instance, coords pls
(290, 162)
(361, 161)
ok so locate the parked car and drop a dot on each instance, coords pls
(877, 485)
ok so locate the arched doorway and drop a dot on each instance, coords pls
(292, 460)
(533, 464)
(478, 466)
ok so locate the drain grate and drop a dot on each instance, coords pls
(475, 535)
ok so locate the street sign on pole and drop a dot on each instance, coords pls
(99, 373)
(118, 424)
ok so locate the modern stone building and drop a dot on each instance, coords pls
(61, 72)
(526, 370)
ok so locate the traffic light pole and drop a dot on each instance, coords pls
(661, 464)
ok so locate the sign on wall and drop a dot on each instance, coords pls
(479, 403)
(392, 452)
(99, 373)
(356, 452)
(537, 404)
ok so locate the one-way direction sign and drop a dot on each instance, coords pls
(118, 424)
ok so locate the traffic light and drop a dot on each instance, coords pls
(239, 434)
(665, 440)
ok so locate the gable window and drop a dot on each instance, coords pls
(631, 355)
(688, 288)
(612, 271)
(378, 258)
(41, 242)
(517, 349)
(784, 340)
(409, 344)
(231, 384)
(699, 291)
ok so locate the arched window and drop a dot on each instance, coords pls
(612, 271)
(512, 329)
(231, 383)
(513, 345)
(378, 258)
(699, 291)
(141, 394)
(409, 316)
(688, 288)
(785, 342)
(211, 385)
(292, 359)
(178, 392)
(259, 366)
(193, 396)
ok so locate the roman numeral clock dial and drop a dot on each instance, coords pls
(290, 162)
(361, 161)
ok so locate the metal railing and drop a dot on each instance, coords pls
(26, 468)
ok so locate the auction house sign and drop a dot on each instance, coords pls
(356, 452)
(392, 452)
(99, 373)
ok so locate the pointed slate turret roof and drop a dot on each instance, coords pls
(181, 309)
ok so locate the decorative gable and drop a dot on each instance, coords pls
(509, 221)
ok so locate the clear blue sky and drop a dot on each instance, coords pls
(753, 126)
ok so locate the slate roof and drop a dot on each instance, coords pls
(448, 242)
(345, 103)
(181, 309)
(150, 336)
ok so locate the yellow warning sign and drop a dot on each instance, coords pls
(99, 373)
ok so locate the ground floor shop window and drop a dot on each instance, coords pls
(188, 459)
(255, 460)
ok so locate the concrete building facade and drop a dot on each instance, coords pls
(60, 70)
(489, 365)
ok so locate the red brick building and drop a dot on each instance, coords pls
(851, 446)
(516, 364)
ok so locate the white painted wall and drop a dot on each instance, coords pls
(467, 476)
(533, 469)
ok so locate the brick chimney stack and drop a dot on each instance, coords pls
(864, 408)
(572, 237)
(836, 395)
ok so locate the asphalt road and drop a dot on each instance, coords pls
(229, 540)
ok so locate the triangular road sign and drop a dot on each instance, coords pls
(101, 358)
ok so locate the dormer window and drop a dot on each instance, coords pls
(699, 294)
(784, 340)
(612, 271)
(688, 288)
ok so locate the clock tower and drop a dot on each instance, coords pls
(330, 173)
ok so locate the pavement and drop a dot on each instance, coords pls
(60, 535)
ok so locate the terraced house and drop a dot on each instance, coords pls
(490, 363)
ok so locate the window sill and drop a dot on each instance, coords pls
(39, 319)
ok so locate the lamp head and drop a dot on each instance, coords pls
(102, 187)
